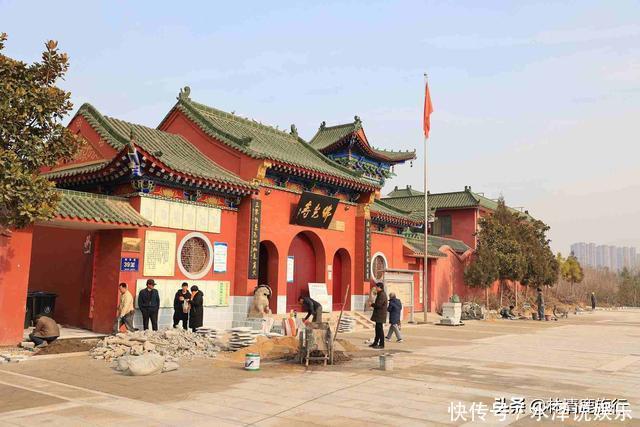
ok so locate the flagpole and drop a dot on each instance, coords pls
(425, 269)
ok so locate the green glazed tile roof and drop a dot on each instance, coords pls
(98, 208)
(383, 209)
(329, 135)
(76, 170)
(452, 200)
(416, 243)
(404, 192)
(172, 150)
(264, 142)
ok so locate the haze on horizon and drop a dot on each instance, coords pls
(537, 102)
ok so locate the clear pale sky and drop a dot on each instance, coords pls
(537, 101)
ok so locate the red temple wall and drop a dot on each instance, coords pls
(463, 224)
(60, 265)
(15, 258)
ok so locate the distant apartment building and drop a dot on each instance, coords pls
(614, 258)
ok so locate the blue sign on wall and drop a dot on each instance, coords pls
(129, 264)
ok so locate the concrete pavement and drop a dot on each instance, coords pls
(442, 376)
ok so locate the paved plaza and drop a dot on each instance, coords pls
(592, 356)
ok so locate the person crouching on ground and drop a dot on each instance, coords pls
(181, 306)
(45, 332)
(379, 316)
(395, 313)
(196, 314)
(540, 304)
(313, 309)
(125, 310)
(507, 313)
(149, 304)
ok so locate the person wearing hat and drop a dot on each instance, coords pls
(379, 316)
(149, 304)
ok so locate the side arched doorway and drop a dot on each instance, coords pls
(341, 278)
(306, 255)
(268, 271)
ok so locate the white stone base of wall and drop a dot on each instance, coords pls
(281, 304)
(213, 317)
(358, 302)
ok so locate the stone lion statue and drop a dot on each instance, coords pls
(260, 305)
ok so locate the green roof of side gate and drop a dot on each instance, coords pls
(98, 208)
(329, 135)
(404, 192)
(264, 142)
(172, 150)
(416, 243)
(452, 200)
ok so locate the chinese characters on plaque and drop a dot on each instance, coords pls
(315, 210)
(254, 238)
(367, 249)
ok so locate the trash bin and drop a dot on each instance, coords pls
(39, 302)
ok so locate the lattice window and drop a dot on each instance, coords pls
(194, 255)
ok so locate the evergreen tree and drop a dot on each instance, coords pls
(32, 135)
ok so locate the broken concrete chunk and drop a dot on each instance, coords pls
(27, 344)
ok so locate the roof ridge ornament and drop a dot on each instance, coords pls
(323, 125)
(357, 122)
(294, 130)
(184, 94)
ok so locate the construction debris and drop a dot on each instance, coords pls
(173, 343)
(472, 311)
(242, 337)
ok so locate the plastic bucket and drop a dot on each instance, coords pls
(252, 362)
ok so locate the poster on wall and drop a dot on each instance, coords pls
(290, 266)
(131, 244)
(219, 257)
(318, 292)
(159, 253)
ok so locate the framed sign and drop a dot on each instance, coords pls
(254, 238)
(318, 292)
(315, 210)
(367, 249)
(159, 253)
(131, 244)
(219, 257)
(129, 264)
(290, 266)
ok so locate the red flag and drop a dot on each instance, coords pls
(428, 109)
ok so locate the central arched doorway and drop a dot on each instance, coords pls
(306, 256)
(341, 278)
(268, 271)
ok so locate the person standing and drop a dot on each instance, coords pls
(125, 310)
(313, 308)
(593, 301)
(196, 314)
(379, 316)
(181, 306)
(540, 304)
(149, 304)
(45, 332)
(395, 314)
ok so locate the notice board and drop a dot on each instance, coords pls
(159, 253)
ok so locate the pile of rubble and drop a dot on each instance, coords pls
(172, 344)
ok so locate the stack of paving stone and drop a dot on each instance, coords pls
(242, 337)
(347, 324)
(208, 332)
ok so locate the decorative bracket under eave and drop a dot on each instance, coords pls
(262, 171)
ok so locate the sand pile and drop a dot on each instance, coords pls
(268, 349)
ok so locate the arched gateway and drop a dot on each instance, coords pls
(307, 258)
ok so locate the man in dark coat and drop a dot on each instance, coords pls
(395, 314)
(593, 301)
(540, 304)
(149, 304)
(181, 306)
(312, 307)
(379, 315)
(196, 314)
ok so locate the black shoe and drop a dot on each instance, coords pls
(378, 347)
(373, 345)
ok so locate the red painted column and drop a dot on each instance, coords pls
(15, 258)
